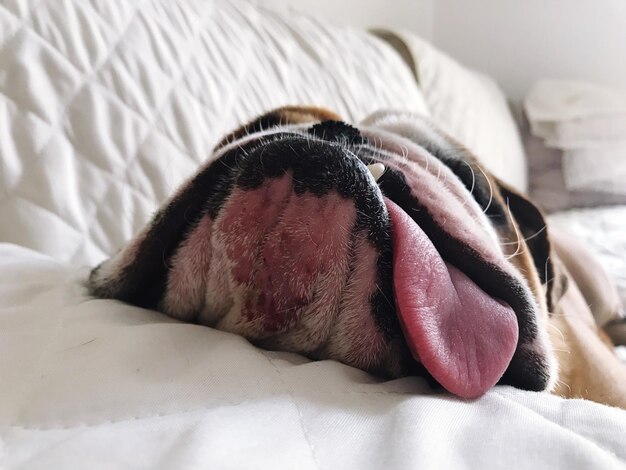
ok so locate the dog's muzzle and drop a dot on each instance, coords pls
(359, 246)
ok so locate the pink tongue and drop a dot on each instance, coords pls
(464, 337)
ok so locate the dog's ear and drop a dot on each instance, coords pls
(532, 224)
(281, 116)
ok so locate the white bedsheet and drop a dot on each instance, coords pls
(99, 384)
(603, 230)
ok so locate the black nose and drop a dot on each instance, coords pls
(337, 131)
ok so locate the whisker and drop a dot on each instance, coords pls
(308, 231)
(557, 330)
(545, 272)
(517, 233)
(387, 299)
(567, 351)
(565, 384)
(473, 176)
(526, 239)
(405, 152)
(490, 189)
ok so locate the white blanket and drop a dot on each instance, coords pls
(99, 384)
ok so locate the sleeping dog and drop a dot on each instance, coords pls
(386, 247)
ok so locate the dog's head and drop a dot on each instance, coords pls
(386, 247)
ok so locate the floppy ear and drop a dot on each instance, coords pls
(138, 273)
(535, 231)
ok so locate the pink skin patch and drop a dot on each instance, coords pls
(248, 218)
(355, 335)
(186, 284)
(285, 249)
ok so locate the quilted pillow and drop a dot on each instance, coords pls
(105, 107)
(468, 105)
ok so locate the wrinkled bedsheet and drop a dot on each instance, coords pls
(99, 384)
(107, 106)
(603, 230)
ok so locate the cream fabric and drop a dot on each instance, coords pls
(468, 105)
(601, 167)
(561, 101)
(108, 106)
(548, 187)
(587, 122)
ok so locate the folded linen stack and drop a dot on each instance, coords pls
(588, 123)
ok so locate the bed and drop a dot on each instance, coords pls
(106, 107)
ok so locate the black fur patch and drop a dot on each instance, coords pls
(337, 131)
(533, 227)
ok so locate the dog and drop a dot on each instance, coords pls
(385, 246)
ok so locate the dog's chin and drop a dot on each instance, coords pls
(313, 240)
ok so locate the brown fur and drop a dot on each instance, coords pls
(588, 366)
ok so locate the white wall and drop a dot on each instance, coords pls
(518, 41)
(415, 15)
(515, 41)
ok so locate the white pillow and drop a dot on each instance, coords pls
(468, 105)
(588, 122)
(548, 187)
(105, 107)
